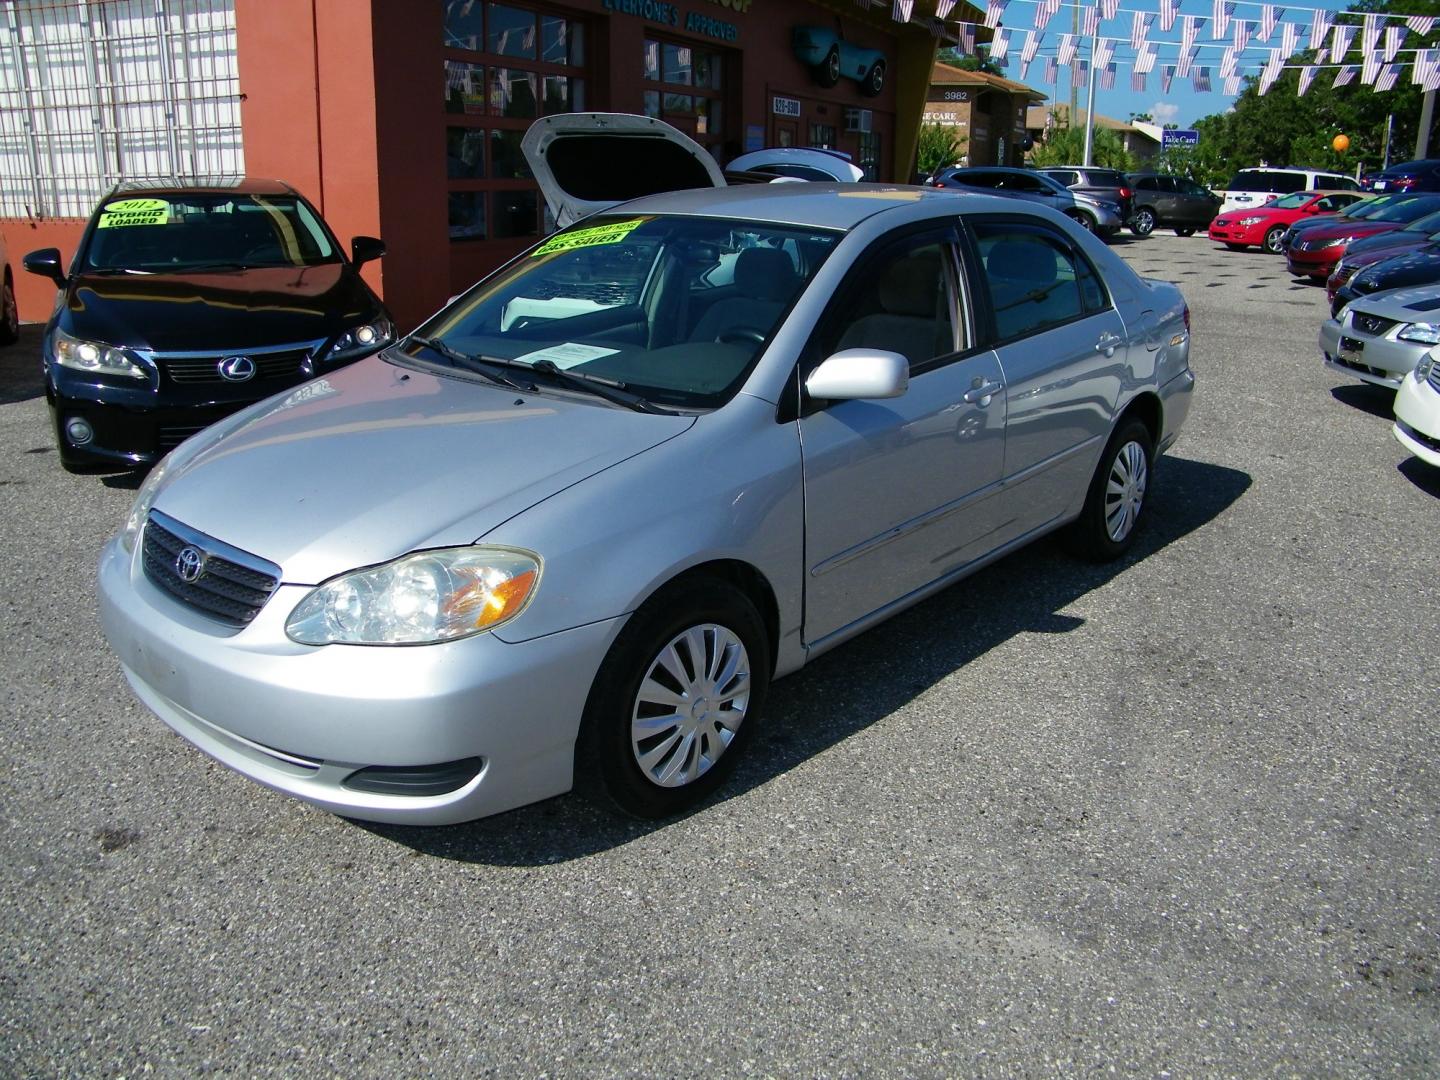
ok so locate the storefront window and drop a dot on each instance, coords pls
(652, 103)
(697, 109)
(677, 64)
(505, 65)
(822, 136)
(870, 155)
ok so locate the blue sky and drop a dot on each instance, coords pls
(1182, 105)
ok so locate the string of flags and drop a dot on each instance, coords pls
(1382, 38)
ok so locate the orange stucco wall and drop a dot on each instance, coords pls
(36, 295)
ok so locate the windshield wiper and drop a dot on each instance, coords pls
(478, 364)
(609, 389)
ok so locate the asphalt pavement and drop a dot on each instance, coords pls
(1171, 817)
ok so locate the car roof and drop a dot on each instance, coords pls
(237, 185)
(813, 205)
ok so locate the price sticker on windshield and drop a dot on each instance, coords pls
(134, 212)
(591, 237)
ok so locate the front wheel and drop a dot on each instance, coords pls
(1084, 220)
(677, 699)
(1106, 526)
(827, 72)
(1273, 240)
(1142, 222)
(874, 81)
(1184, 232)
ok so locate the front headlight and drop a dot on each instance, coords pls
(1422, 369)
(144, 499)
(1423, 332)
(1252, 220)
(94, 357)
(365, 338)
(1323, 244)
(426, 597)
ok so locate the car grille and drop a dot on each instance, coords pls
(1373, 325)
(1434, 377)
(188, 370)
(232, 585)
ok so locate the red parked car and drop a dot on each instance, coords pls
(1316, 251)
(1265, 225)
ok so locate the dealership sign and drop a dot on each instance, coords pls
(1172, 137)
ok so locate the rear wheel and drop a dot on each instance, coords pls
(827, 72)
(9, 313)
(1273, 238)
(874, 81)
(1106, 526)
(1142, 222)
(677, 699)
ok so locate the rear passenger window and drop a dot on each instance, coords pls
(1065, 176)
(1035, 278)
(1283, 183)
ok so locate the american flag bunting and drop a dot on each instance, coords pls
(1107, 77)
(1307, 76)
(1145, 58)
(994, 12)
(1232, 84)
(1032, 43)
(943, 9)
(1043, 14)
(1189, 31)
(1139, 27)
(1182, 66)
(1289, 38)
(1051, 70)
(1420, 24)
(901, 10)
(1269, 16)
(967, 38)
(1394, 38)
(1108, 8)
(1340, 39)
(1227, 62)
(1221, 15)
(1103, 52)
(1067, 50)
(1344, 76)
(1369, 68)
(1137, 82)
(1167, 76)
(1092, 21)
(1200, 81)
(1168, 10)
(1319, 28)
(1000, 45)
(1242, 34)
(1387, 78)
(1370, 34)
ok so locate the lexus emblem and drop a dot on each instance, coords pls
(237, 368)
(189, 564)
(1369, 323)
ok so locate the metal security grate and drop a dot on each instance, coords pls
(95, 91)
(232, 585)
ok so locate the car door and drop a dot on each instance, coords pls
(899, 492)
(1062, 350)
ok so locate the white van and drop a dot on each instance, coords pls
(1258, 186)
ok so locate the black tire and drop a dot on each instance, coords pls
(827, 72)
(608, 752)
(1093, 535)
(874, 82)
(1237, 247)
(1142, 222)
(9, 312)
(1184, 232)
(1084, 220)
(1273, 238)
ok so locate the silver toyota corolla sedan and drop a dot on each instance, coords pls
(577, 522)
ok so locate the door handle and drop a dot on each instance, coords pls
(1107, 343)
(981, 395)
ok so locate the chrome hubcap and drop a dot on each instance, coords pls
(1125, 490)
(690, 705)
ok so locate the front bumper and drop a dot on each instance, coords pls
(1313, 264)
(1381, 361)
(1234, 234)
(1417, 420)
(304, 719)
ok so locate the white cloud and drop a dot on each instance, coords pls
(1164, 112)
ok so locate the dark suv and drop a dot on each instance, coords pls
(1172, 201)
(187, 302)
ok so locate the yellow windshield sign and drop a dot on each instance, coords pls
(134, 212)
(591, 237)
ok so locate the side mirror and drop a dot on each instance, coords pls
(853, 374)
(46, 263)
(365, 249)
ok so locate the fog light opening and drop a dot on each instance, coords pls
(79, 431)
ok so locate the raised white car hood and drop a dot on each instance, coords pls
(588, 162)
(377, 460)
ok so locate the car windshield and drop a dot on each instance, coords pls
(180, 232)
(1407, 211)
(673, 309)
(1291, 202)
(1428, 224)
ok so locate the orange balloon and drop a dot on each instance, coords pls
(1341, 143)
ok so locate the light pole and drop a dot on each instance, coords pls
(1090, 98)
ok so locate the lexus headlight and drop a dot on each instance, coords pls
(419, 599)
(94, 357)
(1423, 332)
(362, 339)
(1252, 220)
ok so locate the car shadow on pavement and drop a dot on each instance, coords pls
(1367, 397)
(22, 375)
(1423, 475)
(861, 682)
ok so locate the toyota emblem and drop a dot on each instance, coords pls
(237, 368)
(190, 564)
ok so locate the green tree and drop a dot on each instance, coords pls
(939, 145)
(1066, 146)
(979, 62)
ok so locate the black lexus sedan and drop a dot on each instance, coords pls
(188, 301)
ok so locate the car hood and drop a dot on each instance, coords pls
(219, 310)
(1419, 303)
(1421, 267)
(588, 162)
(377, 460)
(1354, 230)
(1388, 242)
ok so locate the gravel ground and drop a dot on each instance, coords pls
(1175, 816)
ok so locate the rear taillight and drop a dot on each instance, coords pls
(1125, 193)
